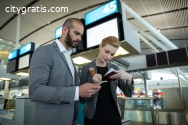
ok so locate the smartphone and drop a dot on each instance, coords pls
(101, 82)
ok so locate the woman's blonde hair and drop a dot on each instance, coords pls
(111, 40)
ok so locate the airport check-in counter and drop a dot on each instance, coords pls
(136, 111)
(141, 111)
(15, 111)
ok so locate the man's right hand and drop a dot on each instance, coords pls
(88, 89)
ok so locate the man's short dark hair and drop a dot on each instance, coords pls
(68, 23)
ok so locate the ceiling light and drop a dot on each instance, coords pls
(22, 74)
(121, 51)
(80, 60)
(48, 22)
(10, 42)
(158, 29)
(4, 52)
(0, 39)
(5, 79)
(19, 45)
(138, 80)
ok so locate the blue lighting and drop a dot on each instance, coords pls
(101, 12)
(13, 55)
(26, 48)
(58, 32)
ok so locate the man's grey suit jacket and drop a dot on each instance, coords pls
(51, 87)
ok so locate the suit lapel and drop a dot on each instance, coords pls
(75, 74)
(62, 55)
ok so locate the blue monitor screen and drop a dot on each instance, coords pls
(26, 48)
(13, 55)
(101, 12)
(58, 32)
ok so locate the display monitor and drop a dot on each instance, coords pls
(162, 58)
(94, 35)
(177, 56)
(12, 66)
(101, 12)
(58, 32)
(13, 55)
(27, 48)
(151, 60)
(24, 61)
(74, 50)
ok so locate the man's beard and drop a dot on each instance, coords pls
(69, 41)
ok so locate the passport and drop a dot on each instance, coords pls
(107, 76)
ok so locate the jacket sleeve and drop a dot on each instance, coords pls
(39, 91)
(84, 78)
(127, 89)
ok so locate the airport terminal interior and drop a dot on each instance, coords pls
(154, 50)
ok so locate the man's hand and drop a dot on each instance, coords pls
(88, 89)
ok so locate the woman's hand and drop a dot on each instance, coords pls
(122, 75)
(97, 78)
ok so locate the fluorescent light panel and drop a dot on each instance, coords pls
(80, 60)
(121, 51)
(22, 74)
(5, 79)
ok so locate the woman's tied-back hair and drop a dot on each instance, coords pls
(111, 40)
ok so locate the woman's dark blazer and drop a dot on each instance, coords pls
(90, 106)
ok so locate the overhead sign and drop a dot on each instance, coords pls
(13, 55)
(58, 32)
(26, 48)
(101, 12)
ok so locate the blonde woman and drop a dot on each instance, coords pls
(102, 107)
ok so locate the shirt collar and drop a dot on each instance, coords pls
(62, 48)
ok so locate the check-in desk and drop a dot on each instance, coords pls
(20, 115)
(141, 111)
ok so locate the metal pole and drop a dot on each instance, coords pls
(152, 112)
(6, 89)
(157, 117)
(17, 31)
(154, 40)
(180, 88)
(150, 28)
(148, 43)
(182, 98)
(146, 86)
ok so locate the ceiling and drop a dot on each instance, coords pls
(171, 16)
